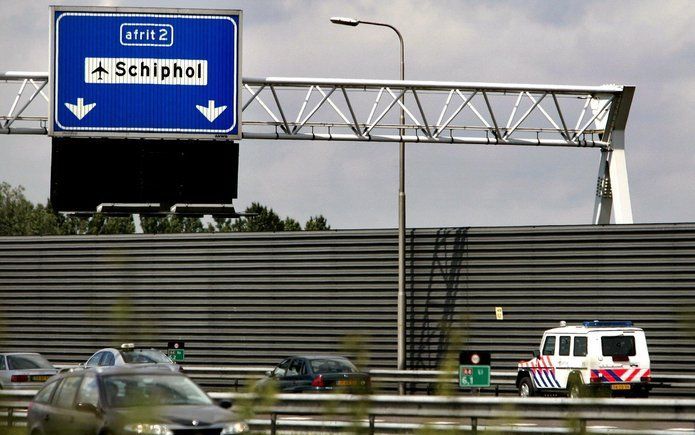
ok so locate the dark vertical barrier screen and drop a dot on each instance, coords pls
(89, 172)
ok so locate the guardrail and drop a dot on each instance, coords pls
(385, 413)
(13, 406)
(393, 413)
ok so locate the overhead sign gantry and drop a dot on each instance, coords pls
(139, 73)
(462, 113)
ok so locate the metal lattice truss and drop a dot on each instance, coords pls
(28, 106)
(436, 112)
(432, 112)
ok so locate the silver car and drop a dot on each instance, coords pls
(128, 355)
(23, 370)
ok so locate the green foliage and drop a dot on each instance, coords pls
(170, 225)
(263, 219)
(290, 224)
(100, 224)
(19, 217)
(259, 398)
(317, 223)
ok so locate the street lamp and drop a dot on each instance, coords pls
(401, 198)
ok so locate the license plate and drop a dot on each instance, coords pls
(620, 387)
(343, 383)
(40, 378)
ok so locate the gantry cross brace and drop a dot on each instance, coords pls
(436, 112)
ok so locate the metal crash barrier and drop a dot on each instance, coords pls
(393, 413)
(390, 413)
(13, 406)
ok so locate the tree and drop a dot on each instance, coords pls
(317, 223)
(290, 224)
(171, 224)
(263, 219)
(19, 217)
(222, 225)
(100, 224)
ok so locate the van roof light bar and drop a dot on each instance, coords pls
(608, 324)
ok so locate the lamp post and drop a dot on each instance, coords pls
(401, 199)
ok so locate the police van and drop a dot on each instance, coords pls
(595, 358)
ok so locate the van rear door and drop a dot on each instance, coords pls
(624, 357)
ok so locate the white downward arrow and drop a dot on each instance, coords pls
(80, 110)
(211, 112)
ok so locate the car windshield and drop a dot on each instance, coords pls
(332, 365)
(123, 391)
(145, 356)
(27, 361)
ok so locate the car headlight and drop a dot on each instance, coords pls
(239, 427)
(148, 429)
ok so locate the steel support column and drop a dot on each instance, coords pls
(617, 168)
(604, 199)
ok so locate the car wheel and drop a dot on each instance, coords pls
(526, 388)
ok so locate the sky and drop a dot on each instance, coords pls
(648, 44)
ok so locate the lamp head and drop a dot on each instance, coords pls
(345, 21)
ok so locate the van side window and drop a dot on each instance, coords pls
(565, 345)
(579, 346)
(549, 345)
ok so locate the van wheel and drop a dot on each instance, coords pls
(575, 389)
(526, 388)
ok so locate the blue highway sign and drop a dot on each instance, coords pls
(145, 73)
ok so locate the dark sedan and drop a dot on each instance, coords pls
(123, 401)
(318, 373)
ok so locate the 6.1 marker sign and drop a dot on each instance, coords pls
(145, 73)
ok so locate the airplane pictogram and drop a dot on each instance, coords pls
(100, 69)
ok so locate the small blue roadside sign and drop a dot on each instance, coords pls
(145, 73)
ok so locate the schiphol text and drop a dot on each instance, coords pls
(146, 71)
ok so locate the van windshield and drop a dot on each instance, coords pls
(620, 345)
